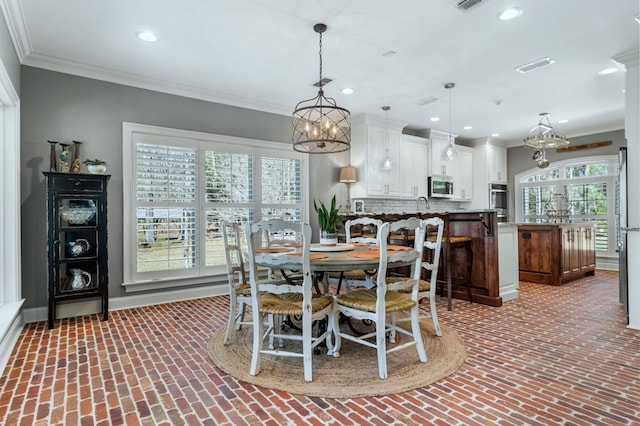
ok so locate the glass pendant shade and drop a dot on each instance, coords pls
(320, 126)
(451, 151)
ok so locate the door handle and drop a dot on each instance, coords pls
(630, 229)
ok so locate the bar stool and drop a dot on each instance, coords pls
(451, 243)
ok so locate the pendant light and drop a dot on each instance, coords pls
(386, 164)
(319, 125)
(450, 152)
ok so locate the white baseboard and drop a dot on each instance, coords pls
(608, 263)
(76, 308)
(11, 325)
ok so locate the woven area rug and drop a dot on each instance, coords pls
(353, 374)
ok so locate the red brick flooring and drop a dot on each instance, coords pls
(556, 355)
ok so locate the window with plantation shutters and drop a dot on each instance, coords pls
(588, 193)
(183, 184)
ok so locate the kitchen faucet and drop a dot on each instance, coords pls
(425, 200)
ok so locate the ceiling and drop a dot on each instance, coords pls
(263, 54)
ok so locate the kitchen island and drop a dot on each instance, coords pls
(556, 253)
(482, 227)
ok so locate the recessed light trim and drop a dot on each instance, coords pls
(468, 127)
(637, 18)
(435, 119)
(563, 121)
(495, 135)
(347, 91)
(608, 71)
(509, 14)
(148, 36)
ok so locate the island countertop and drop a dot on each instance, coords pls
(482, 226)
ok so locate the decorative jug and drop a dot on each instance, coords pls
(78, 247)
(78, 281)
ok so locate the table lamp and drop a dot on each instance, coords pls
(348, 176)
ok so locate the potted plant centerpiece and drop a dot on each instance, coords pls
(96, 166)
(328, 219)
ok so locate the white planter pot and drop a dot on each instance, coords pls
(328, 238)
(96, 169)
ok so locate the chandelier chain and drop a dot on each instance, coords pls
(320, 54)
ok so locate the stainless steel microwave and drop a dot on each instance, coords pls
(440, 186)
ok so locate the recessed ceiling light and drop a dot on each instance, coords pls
(468, 127)
(347, 90)
(608, 71)
(495, 135)
(147, 36)
(563, 121)
(638, 19)
(435, 118)
(511, 13)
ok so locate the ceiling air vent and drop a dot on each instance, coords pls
(427, 101)
(324, 82)
(465, 5)
(535, 65)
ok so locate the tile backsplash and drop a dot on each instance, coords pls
(389, 205)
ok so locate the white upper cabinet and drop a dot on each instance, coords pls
(497, 164)
(439, 142)
(489, 166)
(372, 139)
(463, 174)
(414, 164)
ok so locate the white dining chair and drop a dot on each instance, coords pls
(427, 288)
(357, 278)
(239, 288)
(271, 297)
(379, 305)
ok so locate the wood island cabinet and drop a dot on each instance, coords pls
(556, 253)
(77, 239)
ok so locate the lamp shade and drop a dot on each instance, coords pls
(348, 174)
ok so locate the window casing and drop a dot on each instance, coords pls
(183, 184)
(587, 189)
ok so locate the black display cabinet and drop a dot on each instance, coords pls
(77, 239)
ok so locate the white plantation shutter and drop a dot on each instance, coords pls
(184, 184)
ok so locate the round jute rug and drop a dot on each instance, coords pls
(353, 374)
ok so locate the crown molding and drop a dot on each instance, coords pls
(98, 73)
(629, 59)
(13, 16)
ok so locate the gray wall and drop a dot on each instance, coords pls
(62, 107)
(519, 158)
(8, 56)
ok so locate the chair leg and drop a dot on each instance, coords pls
(381, 343)
(469, 273)
(434, 316)
(307, 351)
(392, 333)
(231, 322)
(258, 339)
(335, 324)
(417, 335)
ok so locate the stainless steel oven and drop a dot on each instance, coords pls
(440, 186)
(499, 199)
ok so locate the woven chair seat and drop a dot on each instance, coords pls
(424, 285)
(452, 239)
(365, 300)
(291, 303)
(243, 290)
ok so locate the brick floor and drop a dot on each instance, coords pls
(556, 355)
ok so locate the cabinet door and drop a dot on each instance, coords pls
(438, 165)
(413, 155)
(587, 248)
(497, 163)
(376, 152)
(570, 250)
(463, 175)
(395, 176)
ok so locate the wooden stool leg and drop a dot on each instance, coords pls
(469, 273)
